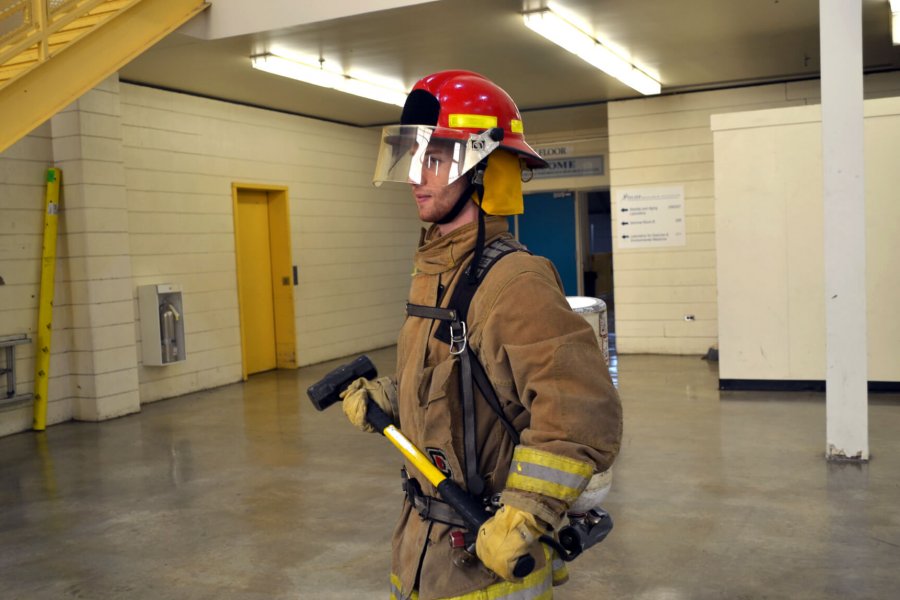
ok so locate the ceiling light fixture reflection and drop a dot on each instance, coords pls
(319, 75)
(563, 33)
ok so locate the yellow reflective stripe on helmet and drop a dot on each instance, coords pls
(548, 474)
(516, 126)
(472, 121)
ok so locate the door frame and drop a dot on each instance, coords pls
(578, 200)
(282, 264)
(582, 237)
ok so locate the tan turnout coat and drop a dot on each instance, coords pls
(546, 366)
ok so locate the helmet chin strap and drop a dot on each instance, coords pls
(476, 184)
(479, 247)
(489, 141)
(460, 204)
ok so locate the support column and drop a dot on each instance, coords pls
(96, 260)
(846, 375)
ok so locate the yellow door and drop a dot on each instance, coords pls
(255, 280)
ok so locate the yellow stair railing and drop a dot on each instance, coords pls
(32, 31)
(52, 51)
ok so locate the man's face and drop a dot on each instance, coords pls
(434, 198)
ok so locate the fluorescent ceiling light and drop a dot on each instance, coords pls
(319, 75)
(575, 40)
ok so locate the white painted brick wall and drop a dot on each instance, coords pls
(666, 140)
(353, 243)
(22, 189)
(93, 255)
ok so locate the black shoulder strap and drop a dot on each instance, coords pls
(471, 368)
(490, 395)
(465, 290)
(471, 371)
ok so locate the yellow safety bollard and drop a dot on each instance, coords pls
(45, 306)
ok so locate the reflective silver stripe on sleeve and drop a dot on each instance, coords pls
(569, 480)
(549, 474)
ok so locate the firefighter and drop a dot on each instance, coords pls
(551, 420)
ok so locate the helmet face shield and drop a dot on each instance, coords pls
(426, 155)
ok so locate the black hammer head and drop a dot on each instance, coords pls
(328, 390)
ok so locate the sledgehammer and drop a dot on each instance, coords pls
(327, 391)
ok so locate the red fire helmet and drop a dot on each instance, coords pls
(468, 103)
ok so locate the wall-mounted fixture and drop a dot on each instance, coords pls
(162, 324)
(573, 38)
(319, 74)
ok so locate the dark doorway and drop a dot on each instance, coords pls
(598, 265)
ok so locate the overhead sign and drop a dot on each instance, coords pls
(650, 217)
(548, 152)
(577, 166)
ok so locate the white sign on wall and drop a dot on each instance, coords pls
(650, 217)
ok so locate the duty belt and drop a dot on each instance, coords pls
(429, 507)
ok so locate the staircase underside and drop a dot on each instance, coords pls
(49, 60)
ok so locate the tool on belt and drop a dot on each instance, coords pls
(473, 513)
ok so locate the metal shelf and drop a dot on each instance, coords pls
(8, 344)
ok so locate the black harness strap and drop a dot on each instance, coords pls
(465, 289)
(434, 313)
(487, 390)
(474, 481)
(429, 507)
(452, 331)
(459, 346)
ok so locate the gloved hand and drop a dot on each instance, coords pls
(505, 537)
(382, 391)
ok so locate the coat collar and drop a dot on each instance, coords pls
(440, 253)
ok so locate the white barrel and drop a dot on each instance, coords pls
(594, 312)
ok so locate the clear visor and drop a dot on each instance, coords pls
(420, 154)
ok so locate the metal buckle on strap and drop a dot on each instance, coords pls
(458, 339)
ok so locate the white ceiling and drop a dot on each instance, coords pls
(690, 44)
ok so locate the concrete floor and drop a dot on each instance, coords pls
(245, 492)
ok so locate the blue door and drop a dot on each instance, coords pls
(548, 229)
